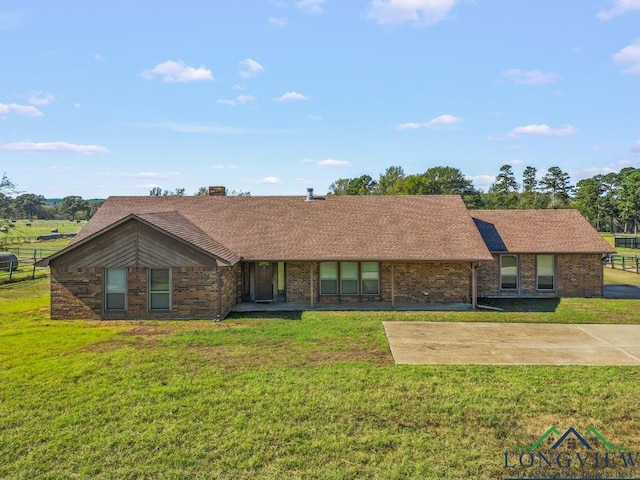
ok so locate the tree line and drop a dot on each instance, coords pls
(609, 202)
(15, 204)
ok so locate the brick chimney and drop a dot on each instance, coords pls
(217, 191)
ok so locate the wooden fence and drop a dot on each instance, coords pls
(26, 268)
(628, 263)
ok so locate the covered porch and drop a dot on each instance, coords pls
(247, 307)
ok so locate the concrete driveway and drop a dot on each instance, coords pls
(422, 343)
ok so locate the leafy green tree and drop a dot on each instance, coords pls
(202, 192)
(610, 200)
(158, 192)
(556, 184)
(28, 204)
(72, 205)
(390, 182)
(503, 193)
(363, 185)
(588, 200)
(630, 195)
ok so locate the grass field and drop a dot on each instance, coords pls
(303, 395)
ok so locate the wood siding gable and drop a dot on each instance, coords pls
(133, 244)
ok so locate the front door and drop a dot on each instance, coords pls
(264, 282)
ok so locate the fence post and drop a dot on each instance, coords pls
(611, 259)
(623, 268)
(10, 269)
(33, 275)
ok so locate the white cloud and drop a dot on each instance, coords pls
(243, 99)
(278, 21)
(619, 8)
(418, 12)
(269, 181)
(250, 68)
(41, 98)
(302, 181)
(98, 57)
(316, 118)
(409, 126)
(437, 122)
(202, 128)
(26, 110)
(332, 163)
(54, 147)
(224, 167)
(290, 97)
(635, 148)
(77, 105)
(630, 56)
(172, 71)
(443, 120)
(542, 129)
(239, 100)
(529, 77)
(482, 182)
(312, 7)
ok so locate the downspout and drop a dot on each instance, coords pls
(219, 283)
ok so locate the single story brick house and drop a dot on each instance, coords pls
(197, 257)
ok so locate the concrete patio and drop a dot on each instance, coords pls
(422, 343)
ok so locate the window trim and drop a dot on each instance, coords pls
(107, 292)
(352, 279)
(362, 279)
(161, 292)
(332, 279)
(554, 276)
(517, 265)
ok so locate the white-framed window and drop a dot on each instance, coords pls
(349, 278)
(354, 278)
(328, 278)
(115, 288)
(159, 289)
(508, 272)
(370, 274)
(546, 272)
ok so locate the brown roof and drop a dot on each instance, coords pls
(538, 231)
(435, 227)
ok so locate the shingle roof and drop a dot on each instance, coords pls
(289, 228)
(538, 231)
(178, 226)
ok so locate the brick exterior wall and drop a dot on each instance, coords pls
(445, 282)
(78, 293)
(576, 276)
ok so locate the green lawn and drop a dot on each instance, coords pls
(310, 395)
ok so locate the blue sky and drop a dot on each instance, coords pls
(274, 96)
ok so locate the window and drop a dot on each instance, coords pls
(349, 278)
(355, 278)
(329, 278)
(115, 289)
(370, 272)
(546, 272)
(159, 289)
(508, 272)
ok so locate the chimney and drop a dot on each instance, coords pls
(217, 191)
(309, 194)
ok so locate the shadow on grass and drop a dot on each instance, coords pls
(296, 315)
(522, 304)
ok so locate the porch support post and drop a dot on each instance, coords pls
(474, 285)
(312, 272)
(393, 286)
